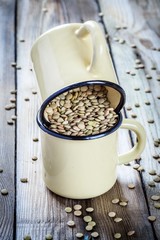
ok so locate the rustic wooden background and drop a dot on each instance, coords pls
(30, 208)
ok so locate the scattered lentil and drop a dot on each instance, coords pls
(123, 204)
(152, 218)
(155, 156)
(35, 139)
(44, 10)
(26, 99)
(13, 64)
(77, 213)
(153, 67)
(157, 205)
(148, 76)
(155, 197)
(71, 223)
(136, 66)
(89, 209)
(151, 184)
(48, 237)
(27, 237)
(137, 89)
(34, 158)
(18, 67)
(87, 218)
(77, 207)
(128, 72)
(132, 73)
(156, 179)
(129, 108)
(10, 106)
(12, 100)
(156, 144)
(140, 169)
(116, 39)
(137, 105)
(89, 228)
(115, 200)
(10, 122)
(14, 117)
(130, 233)
(68, 209)
(150, 121)
(117, 235)
(112, 214)
(136, 166)
(34, 92)
(13, 91)
(133, 46)
(157, 140)
(158, 78)
(92, 223)
(137, 61)
(141, 66)
(147, 91)
(133, 115)
(79, 235)
(121, 41)
(117, 220)
(147, 103)
(131, 186)
(94, 234)
(24, 180)
(4, 191)
(100, 14)
(118, 27)
(124, 200)
(152, 172)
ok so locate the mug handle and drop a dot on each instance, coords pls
(98, 43)
(137, 149)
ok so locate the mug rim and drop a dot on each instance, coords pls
(43, 124)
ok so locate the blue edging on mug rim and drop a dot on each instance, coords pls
(40, 117)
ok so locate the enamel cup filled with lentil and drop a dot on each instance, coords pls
(80, 114)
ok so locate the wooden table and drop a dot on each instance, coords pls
(30, 208)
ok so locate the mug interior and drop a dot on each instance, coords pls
(116, 96)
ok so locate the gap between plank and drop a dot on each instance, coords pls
(15, 149)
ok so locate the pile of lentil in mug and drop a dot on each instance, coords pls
(81, 111)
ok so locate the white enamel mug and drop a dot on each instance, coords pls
(82, 167)
(65, 57)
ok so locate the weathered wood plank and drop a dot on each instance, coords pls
(142, 21)
(7, 132)
(38, 210)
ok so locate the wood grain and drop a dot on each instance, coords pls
(31, 220)
(143, 31)
(7, 132)
(39, 211)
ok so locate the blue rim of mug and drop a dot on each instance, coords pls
(43, 124)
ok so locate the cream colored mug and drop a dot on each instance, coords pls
(67, 57)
